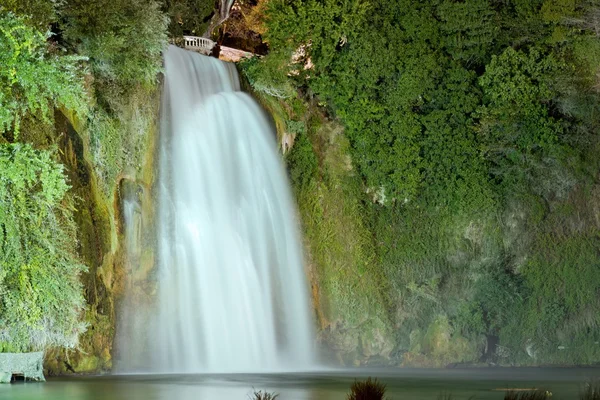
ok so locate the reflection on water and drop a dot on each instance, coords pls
(401, 384)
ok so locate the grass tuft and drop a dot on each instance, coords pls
(260, 395)
(591, 391)
(371, 389)
(527, 395)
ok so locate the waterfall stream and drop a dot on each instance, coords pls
(231, 292)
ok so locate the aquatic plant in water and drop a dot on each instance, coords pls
(260, 395)
(527, 395)
(371, 389)
(591, 391)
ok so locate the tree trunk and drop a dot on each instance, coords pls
(220, 17)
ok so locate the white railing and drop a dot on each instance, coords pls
(198, 44)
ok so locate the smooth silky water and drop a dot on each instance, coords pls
(232, 295)
(402, 384)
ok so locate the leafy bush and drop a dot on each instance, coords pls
(123, 39)
(469, 30)
(41, 298)
(500, 294)
(117, 139)
(33, 80)
(268, 76)
(516, 119)
(302, 162)
(39, 14)
(469, 320)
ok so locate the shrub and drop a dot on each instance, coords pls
(124, 39)
(33, 81)
(269, 75)
(41, 298)
(302, 162)
(371, 389)
(41, 13)
(455, 110)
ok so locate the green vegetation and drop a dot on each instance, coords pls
(41, 296)
(470, 167)
(97, 63)
(526, 395)
(124, 41)
(444, 160)
(347, 291)
(260, 395)
(370, 389)
(189, 16)
(590, 392)
(34, 80)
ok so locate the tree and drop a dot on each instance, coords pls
(124, 40)
(516, 121)
(189, 16)
(469, 29)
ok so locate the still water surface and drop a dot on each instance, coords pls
(331, 385)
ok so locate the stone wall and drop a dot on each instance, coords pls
(30, 365)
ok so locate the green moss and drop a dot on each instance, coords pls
(341, 246)
(118, 140)
(338, 243)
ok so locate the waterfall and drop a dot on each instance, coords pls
(231, 292)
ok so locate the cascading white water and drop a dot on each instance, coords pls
(231, 291)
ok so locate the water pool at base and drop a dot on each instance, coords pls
(484, 383)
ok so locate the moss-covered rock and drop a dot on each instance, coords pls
(346, 286)
(100, 233)
(440, 346)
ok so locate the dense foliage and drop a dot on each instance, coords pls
(124, 42)
(41, 298)
(474, 129)
(124, 39)
(33, 80)
(98, 63)
(189, 16)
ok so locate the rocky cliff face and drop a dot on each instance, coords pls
(99, 218)
(371, 306)
(97, 238)
(362, 313)
(348, 292)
